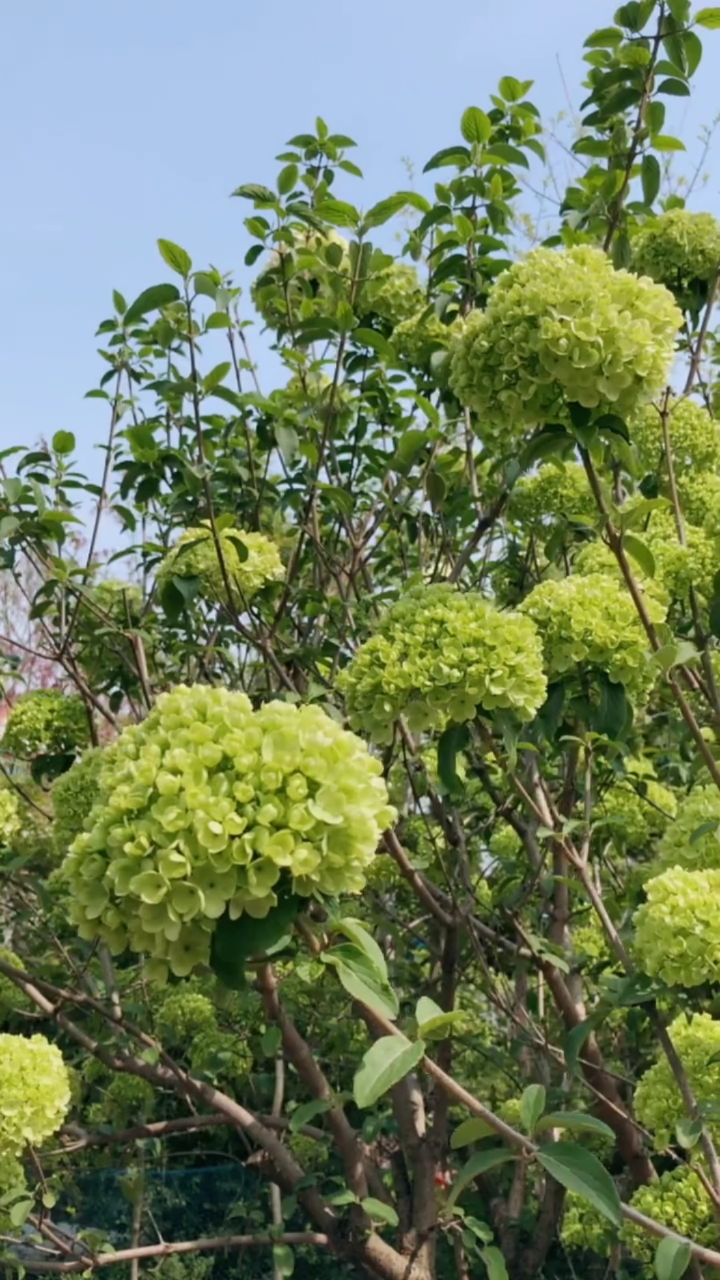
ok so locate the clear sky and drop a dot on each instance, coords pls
(124, 122)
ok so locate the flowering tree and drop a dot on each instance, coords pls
(367, 832)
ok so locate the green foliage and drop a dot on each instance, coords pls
(658, 1102)
(236, 571)
(73, 795)
(677, 931)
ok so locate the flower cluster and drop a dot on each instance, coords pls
(304, 279)
(438, 655)
(206, 807)
(658, 1102)
(700, 500)
(678, 249)
(126, 1099)
(418, 337)
(677, 931)
(584, 1227)
(677, 1199)
(118, 608)
(562, 328)
(591, 620)
(554, 493)
(46, 722)
(73, 795)
(184, 1015)
(694, 438)
(220, 1056)
(34, 1092)
(9, 815)
(393, 294)
(689, 841)
(678, 567)
(243, 572)
(633, 817)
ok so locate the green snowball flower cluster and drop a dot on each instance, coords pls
(678, 567)
(303, 280)
(584, 1227)
(504, 843)
(184, 1015)
(684, 843)
(126, 1099)
(220, 1056)
(678, 249)
(694, 438)
(658, 1102)
(633, 817)
(554, 493)
(677, 931)
(591, 621)
(677, 1199)
(73, 795)
(9, 815)
(104, 654)
(394, 294)
(195, 556)
(46, 722)
(34, 1092)
(700, 500)
(11, 997)
(417, 338)
(209, 806)
(436, 656)
(560, 328)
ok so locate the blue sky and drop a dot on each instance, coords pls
(122, 123)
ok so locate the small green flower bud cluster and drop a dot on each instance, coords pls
(73, 795)
(393, 294)
(183, 1015)
(417, 338)
(678, 249)
(658, 1102)
(437, 656)
(9, 815)
(561, 328)
(694, 438)
(678, 1200)
(195, 555)
(205, 807)
(46, 722)
(554, 493)
(34, 1092)
(688, 841)
(303, 280)
(591, 621)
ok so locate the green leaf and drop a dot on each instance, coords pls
(532, 1105)
(63, 442)
(604, 38)
(255, 191)
(611, 716)
(472, 1130)
(8, 526)
(158, 295)
(19, 1212)
(283, 1259)
(434, 1022)
(338, 213)
(384, 210)
(692, 44)
(503, 153)
(672, 1256)
(216, 376)
(379, 1211)
(576, 1121)
(287, 178)
(234, 941)
(362, 981)
(640, 553)
(448, 155)
(512, 90)
(688, 1132)
(575, 1040)
(357, 933)
(580, 1171)
(477, 1164)
(271, 1041)
(709, 18)
(650, 173)
(287, 442)
(676, 89)
(663, 142)
(307, 1112)
(475, 125)
(175, 257)
(495, 1263)
(450, 743)
(410, 446)
(385, 1064)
